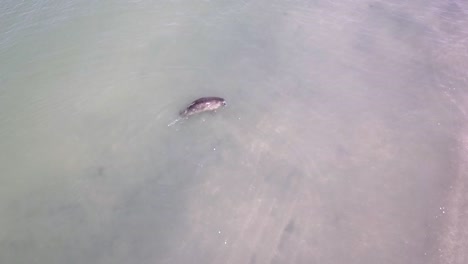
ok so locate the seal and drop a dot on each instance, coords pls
(203, 104)
(200, 105)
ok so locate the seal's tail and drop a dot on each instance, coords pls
(184, 113)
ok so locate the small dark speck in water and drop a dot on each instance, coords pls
(101, 171)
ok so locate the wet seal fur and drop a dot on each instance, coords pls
(201, 105)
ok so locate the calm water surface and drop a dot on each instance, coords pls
(344, 139)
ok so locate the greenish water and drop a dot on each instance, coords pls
(343, 140)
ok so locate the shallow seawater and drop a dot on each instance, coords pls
(343, 139)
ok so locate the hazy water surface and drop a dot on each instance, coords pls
(343, 141)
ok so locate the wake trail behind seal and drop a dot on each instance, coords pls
(175, 121)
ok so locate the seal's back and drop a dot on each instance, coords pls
(203, 104)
